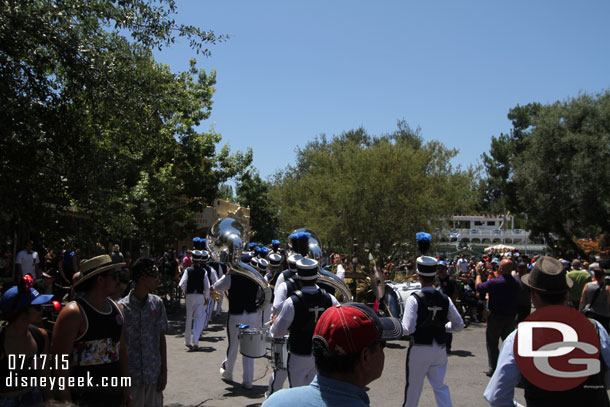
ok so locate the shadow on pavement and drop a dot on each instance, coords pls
(211, 338)
(256, 392)
(461, 353)
(206, 349)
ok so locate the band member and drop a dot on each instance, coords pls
(299, 315)
(220, 269)
(195, 284)
(212, 278)
(242, 294)
(428, 315)
(299, 243)
(275, 264)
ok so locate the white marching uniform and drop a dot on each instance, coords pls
(233, 321)
(279, 296)
(301, 368)
(195, 309)
(209, 309)
(427, 360)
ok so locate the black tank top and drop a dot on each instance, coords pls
(97, 350)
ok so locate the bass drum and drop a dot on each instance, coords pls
(396, 295)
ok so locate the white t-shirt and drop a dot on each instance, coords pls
(463, 265)
(28, 262)
(341, 271)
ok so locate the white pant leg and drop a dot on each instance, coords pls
(254, 320)
(206, 314)
(419, 358)
(191, 306)
(229, 363)
(436, 377)
(199, 316)
(266, 314)
(301, 370)
(232, 334)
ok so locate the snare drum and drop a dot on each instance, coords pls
(279, 353)
(252, 342)
(396, 295)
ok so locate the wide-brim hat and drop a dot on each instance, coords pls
(93, 267)
(548, 276)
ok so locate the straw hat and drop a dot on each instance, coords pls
(93, 267)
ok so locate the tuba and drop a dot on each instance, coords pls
(225, 242)
(327, 280)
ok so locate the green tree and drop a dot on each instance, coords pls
(497, 190)
(379, 190)
(94, 129)
(253, 192)
(561, 173)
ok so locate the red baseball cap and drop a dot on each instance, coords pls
(349, 328)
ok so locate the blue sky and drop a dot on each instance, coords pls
(293, 70)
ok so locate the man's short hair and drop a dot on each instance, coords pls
(552, 298)
(328, 364)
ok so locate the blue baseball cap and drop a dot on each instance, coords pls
(12, 300)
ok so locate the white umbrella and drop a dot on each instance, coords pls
(499, 248)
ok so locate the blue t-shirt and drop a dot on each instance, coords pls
(322, 392)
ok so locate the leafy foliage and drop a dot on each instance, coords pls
(554, 170)
(94, 130)
(379, 190)
(253, 191)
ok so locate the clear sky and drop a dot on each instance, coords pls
(293, 70)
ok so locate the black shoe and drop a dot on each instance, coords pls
(489, 373)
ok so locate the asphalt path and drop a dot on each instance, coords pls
(194, 378)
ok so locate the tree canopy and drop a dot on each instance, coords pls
(254, 192)
(381, 190)
(94, 129)
(553, 167)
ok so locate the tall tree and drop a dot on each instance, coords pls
(497, 190)
(561, 172)
(379, 190)
(253, 191)
(92, 126)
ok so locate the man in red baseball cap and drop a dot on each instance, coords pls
(348, 347)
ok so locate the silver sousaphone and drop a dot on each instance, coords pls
(326, 278)
(225, 242)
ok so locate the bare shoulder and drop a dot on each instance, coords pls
(71, 316)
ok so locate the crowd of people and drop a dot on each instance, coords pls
(113, 325)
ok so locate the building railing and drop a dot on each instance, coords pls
(491, 233)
